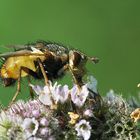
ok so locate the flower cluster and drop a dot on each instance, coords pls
(118, 123)
(71, 114)
(30, 120)
(53, 95)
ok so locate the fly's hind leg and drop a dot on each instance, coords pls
(29, 72)
(18, 88)
(30, 88)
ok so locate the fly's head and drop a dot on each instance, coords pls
(76, 59)
(77, 62)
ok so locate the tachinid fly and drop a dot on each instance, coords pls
(42, 60)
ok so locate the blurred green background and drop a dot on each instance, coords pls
(108, 29)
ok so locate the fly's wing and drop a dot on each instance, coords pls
(54, 47)
(12, 54)
(42, 46)
(22, 53)
(18, 47)
(25, 47)
(39, 44)
(15, 47)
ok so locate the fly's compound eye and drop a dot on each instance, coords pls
(75, 58)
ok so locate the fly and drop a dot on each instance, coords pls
(42, 60)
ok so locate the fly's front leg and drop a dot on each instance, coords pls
(67, 67)
(75, 78)
(76, 81)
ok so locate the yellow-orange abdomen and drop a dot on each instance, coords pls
(11, 68)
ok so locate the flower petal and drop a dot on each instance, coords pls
(38, 89)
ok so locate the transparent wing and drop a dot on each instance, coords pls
(13, 47)
(17, 47)
(21, 53)
(23, 47)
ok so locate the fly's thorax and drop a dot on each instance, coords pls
(53, 58)
(65, 58)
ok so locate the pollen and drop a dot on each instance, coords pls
(74, 117)
(135, 115)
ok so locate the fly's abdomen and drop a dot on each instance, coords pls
(12, 66)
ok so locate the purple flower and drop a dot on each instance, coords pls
(36, 113)
(30, 126)
(44, 93)
(34, 138)
(83, 129)
(44, 122)
(50, 94)
(61, 93)
(79, 97)
(44, 131)
(88, 113)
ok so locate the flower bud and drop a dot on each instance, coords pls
(44, 122)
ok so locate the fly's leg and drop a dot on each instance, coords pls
(18, 88)
(43, 72)
(30, 88)
(76, 81)
(29, 72)
(45, 78)
(32, 73)
(67, 67)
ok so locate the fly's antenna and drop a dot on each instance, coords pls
(94, 59)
